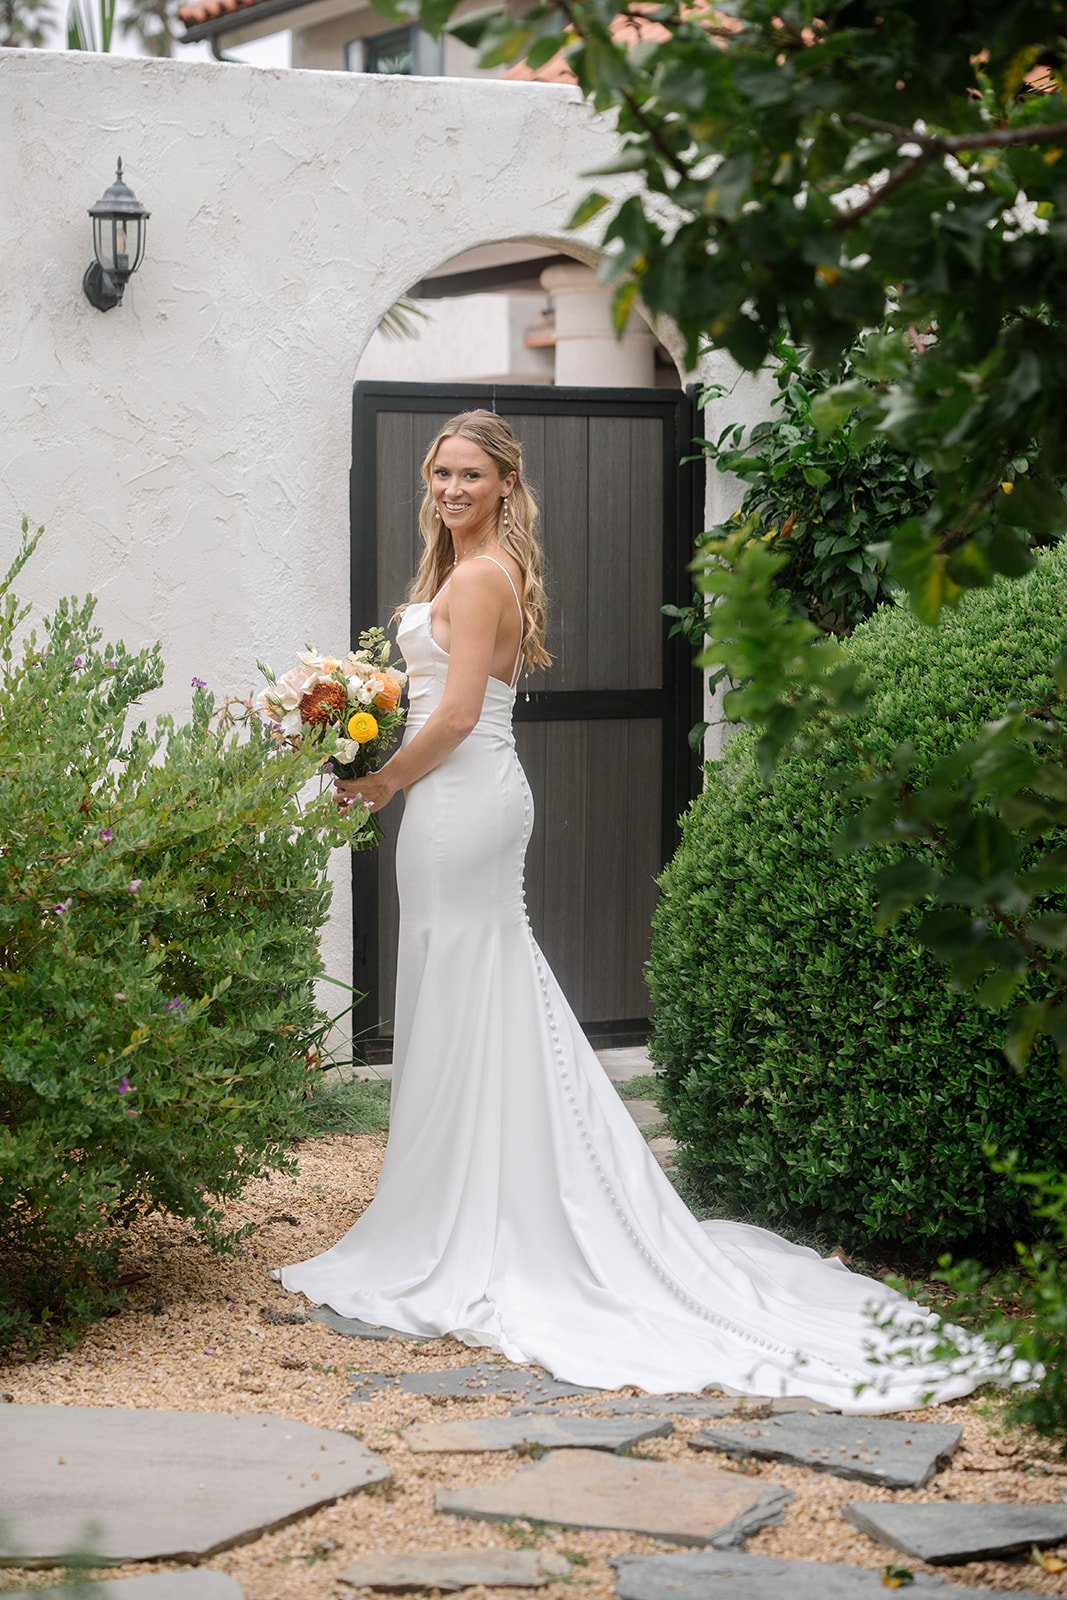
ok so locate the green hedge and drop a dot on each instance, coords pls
(161, 894)
(817, 1075)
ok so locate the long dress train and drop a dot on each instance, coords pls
(519, 1207)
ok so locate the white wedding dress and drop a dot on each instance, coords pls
(519, 1208)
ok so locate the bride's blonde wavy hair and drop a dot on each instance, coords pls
(493, 435)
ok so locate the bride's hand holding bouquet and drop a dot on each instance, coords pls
(350, 707)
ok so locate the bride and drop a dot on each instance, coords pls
(519, 1208)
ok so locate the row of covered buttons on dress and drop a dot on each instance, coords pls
(675, 1288)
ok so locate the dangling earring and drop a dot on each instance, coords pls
(507, 519)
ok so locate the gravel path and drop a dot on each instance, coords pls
(194, 1336)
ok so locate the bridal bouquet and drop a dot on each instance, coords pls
(350, 705)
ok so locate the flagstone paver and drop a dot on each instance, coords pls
(951, 1532)
(355, 1328)
(457, 1569)
(682, 1501)
(489, 1378)
(896, 1455)
(140, 1485)
(202, 1584)
(680, 1405)
(716, 1575)
(554, 1433)
(369, 1384)
(644, 1112)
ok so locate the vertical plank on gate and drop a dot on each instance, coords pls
(608, 577)
(565, 862)
(643, 857)
(644, 668)
(388, 912)
(604, 932)
(566, 530)
(393, 477)
(530, 432)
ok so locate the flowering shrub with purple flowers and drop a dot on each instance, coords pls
(161, 894)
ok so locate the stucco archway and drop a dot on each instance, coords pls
(472, 311)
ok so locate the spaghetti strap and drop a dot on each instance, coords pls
(522, 619)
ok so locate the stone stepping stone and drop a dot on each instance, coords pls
(896, 1455)
(715, 1575)
(163, 1485)
(355, 1328)
(644, 1112)
(679, 1500)
(553, 1433)
(202, 1584)
(457, 1569)
(951, 1532)
(681, 1405)
(369, 1384)
(489, 1378)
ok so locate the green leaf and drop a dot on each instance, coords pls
(1027, 1024)
(589, 208)
(834, 406)
(1050, 930)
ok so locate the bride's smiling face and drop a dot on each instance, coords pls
(466, 485)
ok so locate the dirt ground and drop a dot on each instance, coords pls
(192, 1336)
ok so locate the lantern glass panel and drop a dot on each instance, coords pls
(135, 232)
(104, 241)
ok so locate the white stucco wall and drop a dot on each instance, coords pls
(189, 451)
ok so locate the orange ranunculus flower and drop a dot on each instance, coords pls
(362, 727)
(387, 693)
(322, 704)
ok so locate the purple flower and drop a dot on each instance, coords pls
(64, 905)
(125, 1086)
(199, 683)
(176, 1004)
(131, 1113)
(106, 835)
(112, 666)
(328, 768)
(79, 661)
(135, 884)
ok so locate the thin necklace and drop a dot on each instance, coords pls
(456, 559)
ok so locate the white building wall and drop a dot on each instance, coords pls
(189, 452)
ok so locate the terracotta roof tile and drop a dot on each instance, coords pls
(631, 28)
(208, 10)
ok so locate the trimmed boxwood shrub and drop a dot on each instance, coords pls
(161, 896)
(818, 1075)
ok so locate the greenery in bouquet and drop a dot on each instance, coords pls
(349, 707)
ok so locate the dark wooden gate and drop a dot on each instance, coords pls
(603, 735)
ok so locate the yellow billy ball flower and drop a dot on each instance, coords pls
(362, 727)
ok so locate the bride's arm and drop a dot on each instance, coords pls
(474, 605)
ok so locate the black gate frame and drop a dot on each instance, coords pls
(678, 704)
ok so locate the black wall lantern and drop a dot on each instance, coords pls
(118, 238)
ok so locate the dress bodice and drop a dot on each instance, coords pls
(427, 667)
